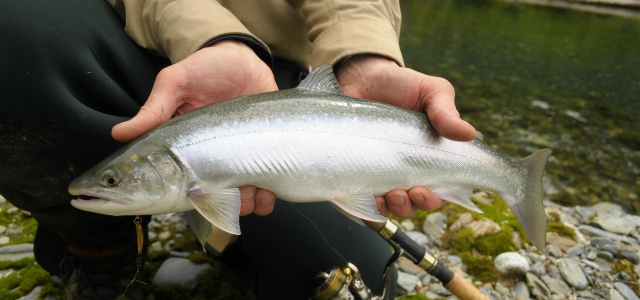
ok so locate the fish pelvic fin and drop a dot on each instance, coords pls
(220, 207)
(322, 80)
(358, 206)
(458, 195)
(527, 206)
(200, 226)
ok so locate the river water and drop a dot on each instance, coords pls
(530, 77)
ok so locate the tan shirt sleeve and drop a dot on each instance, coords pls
(342, 28)
(177, 28)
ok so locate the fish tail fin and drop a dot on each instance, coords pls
(528, 207)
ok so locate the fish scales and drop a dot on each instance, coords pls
(311, 144)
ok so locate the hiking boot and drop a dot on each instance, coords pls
(102, 273)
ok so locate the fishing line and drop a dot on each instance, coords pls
(319, 232)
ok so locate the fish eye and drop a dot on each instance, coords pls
(110, 178)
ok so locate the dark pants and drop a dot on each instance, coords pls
(68, 74)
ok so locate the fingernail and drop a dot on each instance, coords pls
(396, 201)
(417, 198)
(247, 194)
(266, 200)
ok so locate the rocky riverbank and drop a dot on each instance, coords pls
(591, 253)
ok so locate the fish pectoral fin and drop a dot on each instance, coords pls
(200, 226)
(358, 206)
(459, 195)
(220, 207)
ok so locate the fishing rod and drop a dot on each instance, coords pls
(337, 283)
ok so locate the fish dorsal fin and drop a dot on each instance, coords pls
(322, 80)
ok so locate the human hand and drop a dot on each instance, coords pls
(225, 70)
(381, 79)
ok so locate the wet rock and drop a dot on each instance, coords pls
(180, 271)
(554, 250)
(562, 242)
(556, 286)
(511, 264)
(612, 224)
(626, 291)
(461, 222)
(521, 291)
(434, 225)
(572, 273)
(537, 287)
(484, 227)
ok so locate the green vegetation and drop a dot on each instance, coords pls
(628, 268)
(26, 279)
(561, 229)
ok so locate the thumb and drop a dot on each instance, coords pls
(158, 109)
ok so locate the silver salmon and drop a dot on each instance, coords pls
(307, 144)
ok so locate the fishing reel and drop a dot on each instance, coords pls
(342, 284)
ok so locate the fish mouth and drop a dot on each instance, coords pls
(91, 199)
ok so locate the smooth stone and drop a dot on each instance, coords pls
(4, 240)
(6, 272)
(26, 247)
(407, 282)
(164, 235)
(562, 242)
(462, 221)
(2, 229)
(15, 256)
(482, 197)
(491, 294)
(612, 224)
(179, 271)
(521, 291)
(152, 235)
(409, 267)
(607, 207)
(554, 250)
(454, 261)
(12, 209)
(591, 264)
(605, 255)
(502, 289)
(556, 286)
(626, 291)
(592, 231)
(407, 225)
(615, 295)
(553, 271)
(572, 273)
(484, 227)
(434, 225)
(517, 240)
(598, 242)
(418, 237)
(437, 288)
(536, 257)
(583, 214)
(538, 269)
(537, 287)
(575, 251)
(633, 219)
(511, 264)
(33, 295)
(184, 254)
(155, 247)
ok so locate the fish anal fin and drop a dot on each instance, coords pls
(358, 206)
(200, 226)
(459, 195)
(220, 207)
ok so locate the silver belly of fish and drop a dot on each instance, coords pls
(313, 143)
